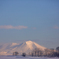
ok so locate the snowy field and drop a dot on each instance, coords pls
(27, 57)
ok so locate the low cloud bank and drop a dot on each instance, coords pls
(56, 27)
(12, 27)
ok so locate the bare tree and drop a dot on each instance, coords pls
(32, 54)
(15, 53)
(36, 52)
(52, 52)
(47, 52)
(57, 49)
(23, 54)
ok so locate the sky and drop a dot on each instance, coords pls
(35, 20)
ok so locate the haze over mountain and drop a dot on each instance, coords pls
(28, 46)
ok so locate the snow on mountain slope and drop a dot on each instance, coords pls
(28, 46)
(33, 45)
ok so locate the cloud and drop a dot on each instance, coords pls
(34, 28)
(56, 27)
(12, 27)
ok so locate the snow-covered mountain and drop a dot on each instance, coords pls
(28, 46)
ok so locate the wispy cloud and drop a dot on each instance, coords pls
(56, 27)
(34, 28)
(12, 27)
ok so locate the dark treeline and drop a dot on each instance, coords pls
(46, 53)
(37, 52)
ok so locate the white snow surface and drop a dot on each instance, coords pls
(27, 57)
(26, 47)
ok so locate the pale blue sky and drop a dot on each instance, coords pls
(39, 18)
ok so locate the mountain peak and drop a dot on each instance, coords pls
(29, 41)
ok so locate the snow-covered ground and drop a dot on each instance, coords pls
(27, 57)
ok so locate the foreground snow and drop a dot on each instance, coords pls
(27, 57)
